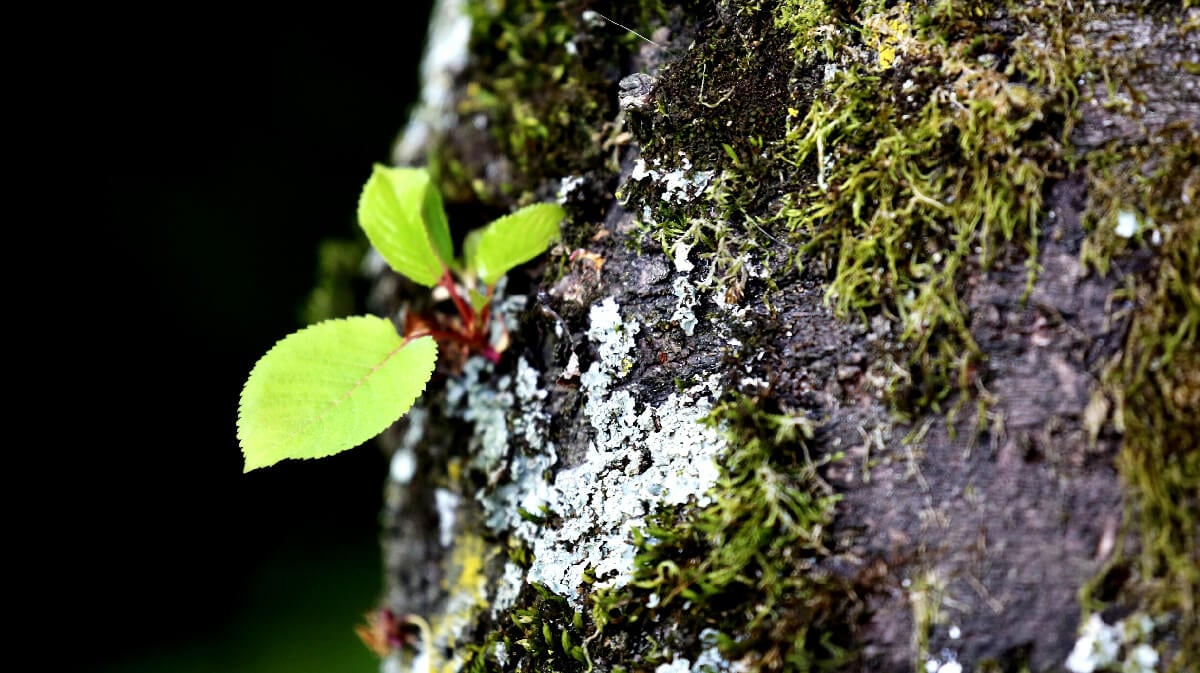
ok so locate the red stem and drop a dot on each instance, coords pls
(464, 310)
(475, 329)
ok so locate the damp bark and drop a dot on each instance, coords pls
(962, 443)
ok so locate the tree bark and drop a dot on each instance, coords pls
(726, 436)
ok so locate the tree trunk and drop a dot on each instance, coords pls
(870, 343)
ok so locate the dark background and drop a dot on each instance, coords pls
(223, 150)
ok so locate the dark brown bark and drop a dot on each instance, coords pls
(957, 545)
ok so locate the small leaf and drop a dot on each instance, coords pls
(330, 387)
(471, 247)
(479, 301)
(401, 211)
(511, 240)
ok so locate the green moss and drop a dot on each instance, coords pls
(546, 632)
(925, 596)
(931, 160)
(718, 109)
(480, 657)
(1154, 381)
(808, 24)
(744, 566)
(542, 94)
(903, 151)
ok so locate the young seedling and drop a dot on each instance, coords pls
(334, 385)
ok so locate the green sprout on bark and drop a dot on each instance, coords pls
(334, 385)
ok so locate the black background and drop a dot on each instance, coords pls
(220, 150)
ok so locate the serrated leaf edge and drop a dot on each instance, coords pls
(431, 367)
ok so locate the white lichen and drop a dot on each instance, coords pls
(525, 490)
(500, 652)
(1127, 224)
(639, 458)
(685, 308)
(508, 445)
(948, 663)
(680, 252)
(1116, 647)
(568, 185)
(1142, 658)
(486, 405)
(403, 466)
(446, 503)
(489, 405)
(506, 312)
(677, 185)
(676, 665)
(476, 398)
(613, 339)
(509, 588)
(710, 660)
(532, 424)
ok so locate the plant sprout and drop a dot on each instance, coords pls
(334, 385)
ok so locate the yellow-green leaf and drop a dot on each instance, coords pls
(330, 387)
(479, 300)
(513, 239)
(401, 211)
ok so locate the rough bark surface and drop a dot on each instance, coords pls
(958, 540)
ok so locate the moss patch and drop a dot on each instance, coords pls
(897, 147)
(545, 632)
(742, 569)
(1154, 383)
(717, 108)
(930, 160)
(541, 98)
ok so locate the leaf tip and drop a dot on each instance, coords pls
(249, 466)
(251, 459)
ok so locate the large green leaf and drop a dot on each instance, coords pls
(402, 213)
(330, 387)
(511, 240)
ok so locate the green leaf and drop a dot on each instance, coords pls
(511, 240)
(479, 300)
(401, 211)
(330, 387)
(471, 247)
